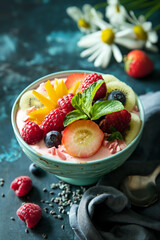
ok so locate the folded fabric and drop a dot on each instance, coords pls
(104, 212)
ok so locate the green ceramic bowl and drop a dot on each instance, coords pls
(74, 173)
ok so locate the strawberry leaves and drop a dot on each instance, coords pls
(82, 102)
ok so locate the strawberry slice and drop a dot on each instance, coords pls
(82, 138)
(73, 78)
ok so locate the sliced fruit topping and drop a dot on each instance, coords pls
(53, 121)
(91, 78)
(75, 88)
(74, 78)
(60, 88)
(21, 185)
(28, 100)
(31, 133)
(126, 90)
(53, 139)
(134, 128)
(65, 103)
(30, 213)
(46, 101)
(118, 120)
(38, 115)
(117, 95)
(109, 78)
(51, 92)
(82, 138)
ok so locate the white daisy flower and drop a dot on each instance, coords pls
(101, 44)
(141, 30)
(115, 12)
(83, 18)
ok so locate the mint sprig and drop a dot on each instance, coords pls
(114, 135)
(82, 102)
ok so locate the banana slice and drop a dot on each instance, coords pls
(126, 90)
(134, 128)
(28, 100)
(109, 78)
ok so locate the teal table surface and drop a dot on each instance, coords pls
(38, 38)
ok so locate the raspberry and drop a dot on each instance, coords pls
(119, 120)
(94, 77)
(53, 121)
(65, 103)
(31, 133)
(30, 213)
(21, 185)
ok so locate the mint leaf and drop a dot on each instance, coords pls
(88, 95)
(73, 116)
(100, 109)
(76, 101)
(115, 135)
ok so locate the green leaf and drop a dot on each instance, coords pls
(76, 101)
(73, 116)
(100, 109)
(88, 95)
(115, 135)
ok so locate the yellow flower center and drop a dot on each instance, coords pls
(141, 34)
(83, 23)
(107, 36)
(117, 8)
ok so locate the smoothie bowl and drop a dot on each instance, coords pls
(78, 125)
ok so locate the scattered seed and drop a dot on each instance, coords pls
(42, 201)
(60, 217)
(52, 199)
(44, 235)
(47, 202)
(1, 184)
(52, 212)
(2, 195)
(62, 226)
(12, 218)
(1, 180)
(51, 205)
(51, 192)
(44, 190)
(26, 230)
(46, 209)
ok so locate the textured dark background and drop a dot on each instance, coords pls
(37, 38)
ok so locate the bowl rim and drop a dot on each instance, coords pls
(51, 159)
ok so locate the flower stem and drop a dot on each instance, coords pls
(152, 10)
(100, 5)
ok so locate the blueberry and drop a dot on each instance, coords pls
(53, 139)
(34, 169)
(117, 95)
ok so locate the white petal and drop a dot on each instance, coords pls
(90, 50)
(95, 54)
(129, 43)
(134, 17)
(107, 58)
(153, 37)
(112, 2)
(75, 13)
(141, 19)
(147, 26)
(89, 40)
(99, 60)
(116, 53)
(125, 32)
(151, 47)
(98, 21)
(86, 10)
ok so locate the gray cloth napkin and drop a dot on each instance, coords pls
(104, 212)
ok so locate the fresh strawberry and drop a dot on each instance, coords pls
(31, 133)
(30, 213)
(65, 103)
(138, 64)
(94, 77)
(118, 120)
(82, 138)
(21, 185)
(53, 121)
(73, 78)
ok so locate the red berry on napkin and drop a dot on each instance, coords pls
(30, 213)
(138, 64)
(21, 185)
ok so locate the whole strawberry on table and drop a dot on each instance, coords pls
(80, 113)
